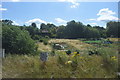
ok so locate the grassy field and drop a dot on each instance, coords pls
(104, 65)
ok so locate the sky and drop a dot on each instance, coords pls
(59, 12)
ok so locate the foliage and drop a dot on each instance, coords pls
(7, 22)
(33, 31)
(62, 65)
(113, 29)
(17, 41)
(97, 42)
(75, 30)
(34, 25)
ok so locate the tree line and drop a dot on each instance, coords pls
(21, 39)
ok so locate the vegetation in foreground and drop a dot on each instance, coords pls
(23, 45)
(61, 65)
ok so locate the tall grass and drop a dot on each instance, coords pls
(61, 65)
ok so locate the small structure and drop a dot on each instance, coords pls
(44, 56)
(45, 33)
(58, 46)
(3, 53)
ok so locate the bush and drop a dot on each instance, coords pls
(45, 42)
(53, 53)
(40, 40)
(17, 41)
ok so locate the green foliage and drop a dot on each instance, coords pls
(113, 29)
(52, 53)
(33, 31)
(44, 40)
(34, 25)
(7, 22)
(36, 37)
(75, 30)
(17, 41)
(97, 42)
(46, 27)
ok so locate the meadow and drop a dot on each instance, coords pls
(60, 65)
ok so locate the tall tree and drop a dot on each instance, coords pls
(8, 22)
(33, 25)
(113, 29)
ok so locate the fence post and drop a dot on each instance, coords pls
(3, 53)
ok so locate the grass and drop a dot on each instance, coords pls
(61, 65)
(79, 45)
(97, 42)
(0, 68)
(42, 47)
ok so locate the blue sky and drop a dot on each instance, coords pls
(58, 13)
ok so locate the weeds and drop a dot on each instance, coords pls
(62, 65)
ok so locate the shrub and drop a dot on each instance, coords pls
(45, 42)
(40, 40)
(53, 53)
(17, 41)
(68, 52)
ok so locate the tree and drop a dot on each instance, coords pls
(17, 41)
(88, 25)
(33, 25)
(74, 29)
(8, 22)
(102, 31)
(113, 29)
(60, 32)
(32, 31)
(42, 26)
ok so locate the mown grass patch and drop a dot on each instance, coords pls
(94, 42)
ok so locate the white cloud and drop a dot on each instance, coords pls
(2, 9)
(15, 0)
(37, 21)
(92, 19)
(15, 23)
(105, 11)
(107, 18)
(59, 20)
(75, 4)
(93, 23)
(106, 15)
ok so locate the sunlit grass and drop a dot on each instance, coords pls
(62, 65)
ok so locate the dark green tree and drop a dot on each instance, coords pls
(113, 29)
(17, 41)
(8, 22)
(33, 25)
